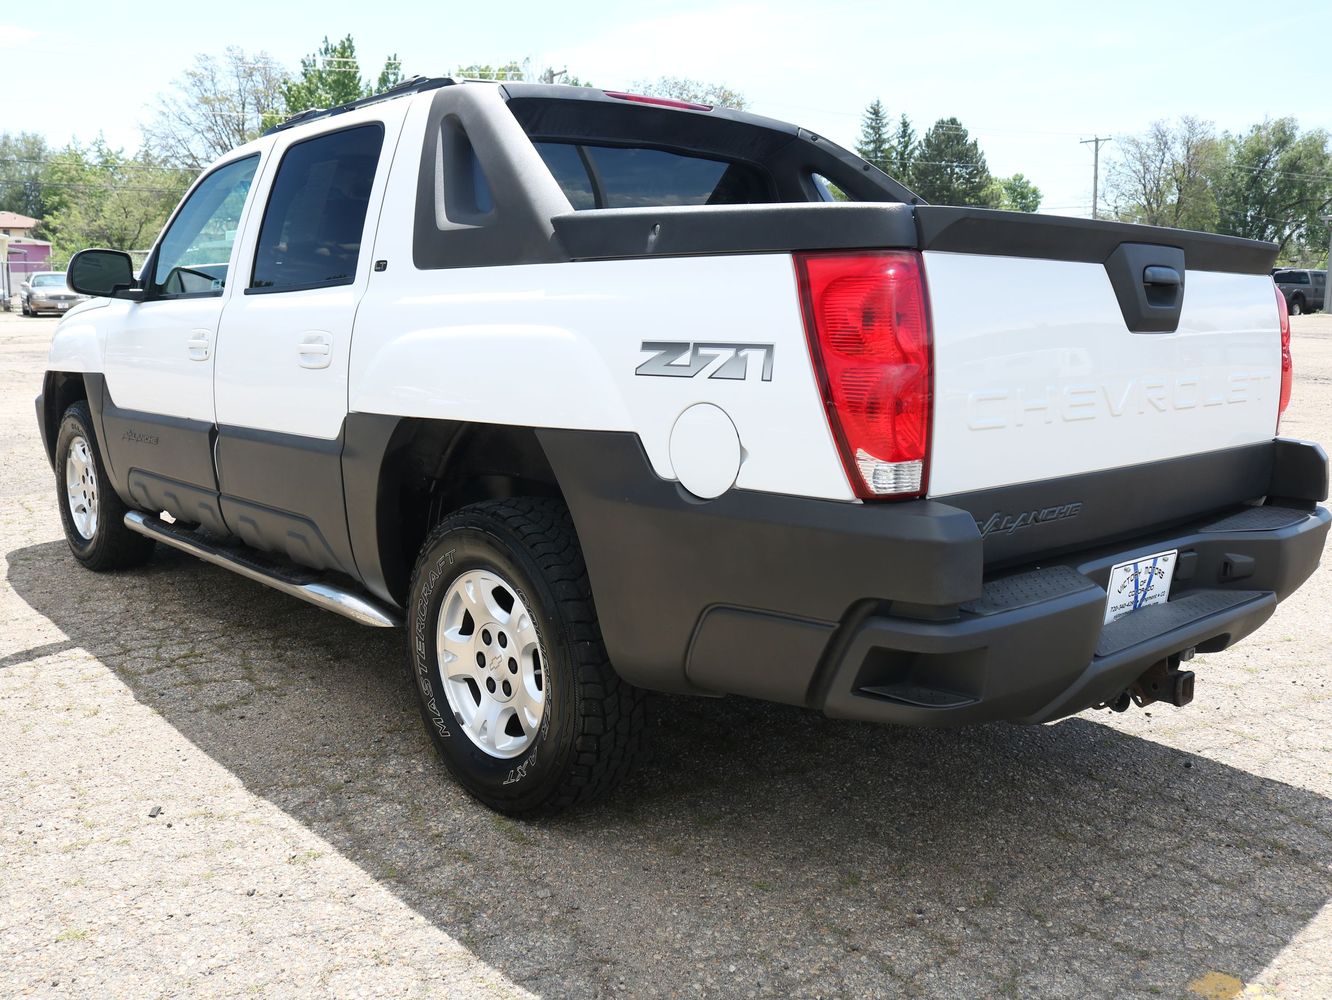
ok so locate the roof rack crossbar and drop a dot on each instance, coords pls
(412, 85)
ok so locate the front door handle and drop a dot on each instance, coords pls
(198, 344)
(315, 349)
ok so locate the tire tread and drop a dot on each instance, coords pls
(115, 546)
(611, 714)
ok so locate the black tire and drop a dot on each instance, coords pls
(593, 724)
(1297, 306)
(112, 545)
(27, 311)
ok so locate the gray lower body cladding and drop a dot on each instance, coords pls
(902, 613)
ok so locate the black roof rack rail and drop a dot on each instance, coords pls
(412, 85)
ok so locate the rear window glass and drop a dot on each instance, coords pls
(829, 191)
(639, 177)
(566, 164)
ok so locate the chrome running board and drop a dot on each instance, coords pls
(331, 597)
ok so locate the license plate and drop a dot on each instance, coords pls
(62, 305)
(1139, 583)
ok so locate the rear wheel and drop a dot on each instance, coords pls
(92, 514)
(514, 684)
(1297, 306)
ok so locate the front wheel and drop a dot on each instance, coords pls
(514, 683)
(1297, 306)
(92, 515)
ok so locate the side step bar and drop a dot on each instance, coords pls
(330, 597)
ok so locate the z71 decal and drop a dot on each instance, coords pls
(681, 359)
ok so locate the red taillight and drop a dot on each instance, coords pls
(1287, 366)
(869, 335)
(665, 102)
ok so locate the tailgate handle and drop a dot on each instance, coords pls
(1158, 274)
(1149, 281)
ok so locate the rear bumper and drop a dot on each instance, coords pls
(903, 613)
(1034, 648)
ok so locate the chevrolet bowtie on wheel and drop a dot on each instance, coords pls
(597, 393)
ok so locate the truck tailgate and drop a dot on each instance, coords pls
(1046, 367)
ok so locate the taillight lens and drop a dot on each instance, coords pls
(1287, 366)
(868, 328)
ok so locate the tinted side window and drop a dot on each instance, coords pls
(312, 228)
(1319, 278)
(640, 177)
(195, 252)
(570, 173)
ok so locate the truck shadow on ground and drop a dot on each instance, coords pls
(766, 851)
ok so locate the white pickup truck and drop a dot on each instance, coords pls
(598, 393)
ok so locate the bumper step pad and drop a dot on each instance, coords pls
(1162, 618)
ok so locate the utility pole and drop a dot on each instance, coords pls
(1096, 170)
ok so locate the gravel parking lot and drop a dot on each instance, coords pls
(308, 841)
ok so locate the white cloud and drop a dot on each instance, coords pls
(12, 36)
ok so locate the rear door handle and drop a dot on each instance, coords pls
(198, 344)
(315, 349)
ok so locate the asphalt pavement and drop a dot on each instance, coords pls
(210, 789)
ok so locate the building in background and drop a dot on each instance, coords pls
(13, 224)
(20, 254)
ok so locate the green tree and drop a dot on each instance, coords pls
(1017, 194)
(332, 76)
(949, 168)
(875, 145)
(479, 71)
(1164, 176)
(99, 196)
(1276, 184)
(514, 70)
(902, 151)
(23, 157)
(215, 106)
(390, 76)
(678, 88)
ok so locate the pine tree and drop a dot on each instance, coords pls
(902, 151)
(950, 169)
(874, 145)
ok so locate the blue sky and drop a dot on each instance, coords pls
(1029, 80)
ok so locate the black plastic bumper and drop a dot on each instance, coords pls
(1034, 648)
(903, 612)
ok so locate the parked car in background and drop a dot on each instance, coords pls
(1304, 289)
(46, 291)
